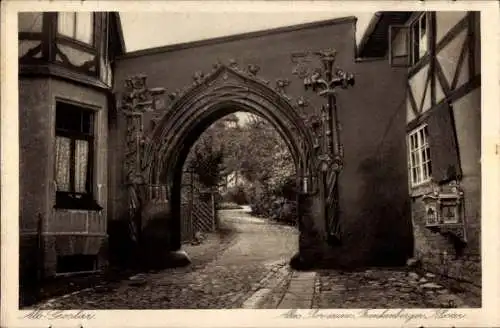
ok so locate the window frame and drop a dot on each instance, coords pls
(420, 162)
(417, 21)
(72, 199)
(409, 38)
(72, 39)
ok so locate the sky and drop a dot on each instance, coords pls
(164, 28)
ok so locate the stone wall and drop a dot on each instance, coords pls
(373, 186)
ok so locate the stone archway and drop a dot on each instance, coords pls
(223, 91)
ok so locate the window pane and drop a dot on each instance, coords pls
(81, 165)
(421, 137)
(66, 24)
(423, 36)
(67, 118)
(84, 27)
(424, 157)
(87, 122)
(413, 141)
(63, 150)
(30, 22)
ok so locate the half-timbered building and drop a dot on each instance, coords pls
(65, 78)
(442, 54)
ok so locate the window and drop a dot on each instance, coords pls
(409, 43)
(74, 150)
(418, 37)
(420, 160)
(76, 25)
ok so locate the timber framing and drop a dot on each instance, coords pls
(454, 95)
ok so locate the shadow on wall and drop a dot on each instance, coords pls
(388, 231)
(154, 237)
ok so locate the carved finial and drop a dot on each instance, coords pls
(232, 63)
(198, 77)
(281, 85)
(253, 69)
(302, 102)
(216, 66)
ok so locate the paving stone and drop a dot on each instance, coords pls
(431, 285)
(413, 275)
(249, 269)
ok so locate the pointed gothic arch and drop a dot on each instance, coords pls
(224, 91)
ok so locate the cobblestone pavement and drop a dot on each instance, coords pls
(224, 273)
(248, 268)
(384, 288)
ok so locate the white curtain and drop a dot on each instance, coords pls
(81, 165)
(63, 151)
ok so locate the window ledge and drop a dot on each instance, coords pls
(421, 189)
(80, 205)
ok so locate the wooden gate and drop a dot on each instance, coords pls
(198, 213)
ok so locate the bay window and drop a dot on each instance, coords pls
(74, 157)
(76, 25)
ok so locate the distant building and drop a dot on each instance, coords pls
(442, 54)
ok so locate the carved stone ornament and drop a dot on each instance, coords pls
(233, 63)
(253, 69)
(198, 77)
(281, 85)
(135, 102)
(323, 81)
(145, 140)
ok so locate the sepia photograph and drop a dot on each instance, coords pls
(243, 160)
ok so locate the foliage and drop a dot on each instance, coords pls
(256, 152)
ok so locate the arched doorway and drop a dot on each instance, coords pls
(226, 90)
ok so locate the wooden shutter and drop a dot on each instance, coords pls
(443, 145)
(399, 46)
